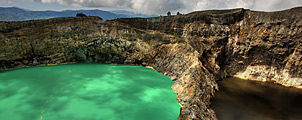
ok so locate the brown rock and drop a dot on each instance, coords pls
(194, 50)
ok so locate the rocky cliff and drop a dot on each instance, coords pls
(194, 50)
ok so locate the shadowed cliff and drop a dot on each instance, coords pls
(194, 50)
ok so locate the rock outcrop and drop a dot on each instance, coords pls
(194, 50)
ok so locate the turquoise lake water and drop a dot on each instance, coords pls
(86, 92)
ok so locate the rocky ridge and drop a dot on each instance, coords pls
(194, 50)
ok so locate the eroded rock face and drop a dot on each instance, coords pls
(194, 50)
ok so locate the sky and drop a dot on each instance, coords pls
(152, 6)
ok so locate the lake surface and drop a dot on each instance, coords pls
(251, 100)
(86, 92)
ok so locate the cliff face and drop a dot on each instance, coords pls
(194, 50)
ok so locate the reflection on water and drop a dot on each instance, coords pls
(86, 92)
(251, 100)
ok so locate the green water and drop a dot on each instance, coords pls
(86, 92)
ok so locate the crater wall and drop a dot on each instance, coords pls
(194, 50)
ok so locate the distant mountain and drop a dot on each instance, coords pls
(131, 14)
(18, 14)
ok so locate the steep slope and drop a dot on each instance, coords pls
(194, 50)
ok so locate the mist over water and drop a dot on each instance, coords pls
(251, 100)
(86, 92)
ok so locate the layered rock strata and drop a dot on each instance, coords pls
(194, 50)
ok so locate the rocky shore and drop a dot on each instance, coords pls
(194, 50)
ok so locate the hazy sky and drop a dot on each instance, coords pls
(153, 6)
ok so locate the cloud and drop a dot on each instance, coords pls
(5, 2)
(156, 6)
(183, 6)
